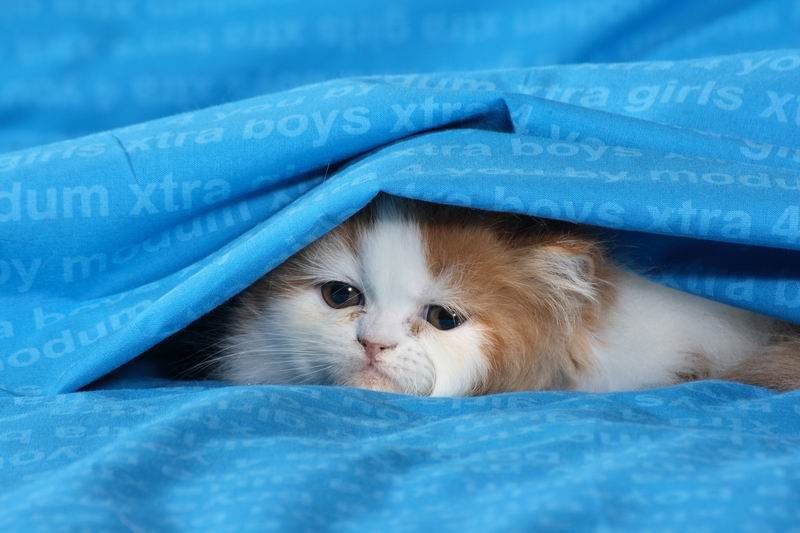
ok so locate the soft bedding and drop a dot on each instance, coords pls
(689, 159)
(702, 457)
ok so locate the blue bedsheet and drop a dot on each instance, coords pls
(688, 157)
(701, 457)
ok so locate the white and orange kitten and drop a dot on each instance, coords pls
(431, 300)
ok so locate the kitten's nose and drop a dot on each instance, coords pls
(373, 348)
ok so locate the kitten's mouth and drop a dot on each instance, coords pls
(373, 379)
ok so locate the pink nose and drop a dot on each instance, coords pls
(373, 348)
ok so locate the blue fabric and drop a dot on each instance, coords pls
(74, 67)
(706, 456)
(110, 242)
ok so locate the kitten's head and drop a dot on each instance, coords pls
(423, 299)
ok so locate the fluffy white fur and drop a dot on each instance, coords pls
(652, 332)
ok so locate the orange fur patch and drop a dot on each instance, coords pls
(778, 367)
(539, 335)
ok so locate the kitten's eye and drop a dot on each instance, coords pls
(443, 318)
(339, 295)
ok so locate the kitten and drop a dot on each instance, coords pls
(432, 300)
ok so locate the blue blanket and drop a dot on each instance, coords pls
(689, 158)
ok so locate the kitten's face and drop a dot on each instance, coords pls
(413, 300)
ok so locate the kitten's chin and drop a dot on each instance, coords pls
(372, 379)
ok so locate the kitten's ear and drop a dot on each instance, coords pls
(566, 270)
